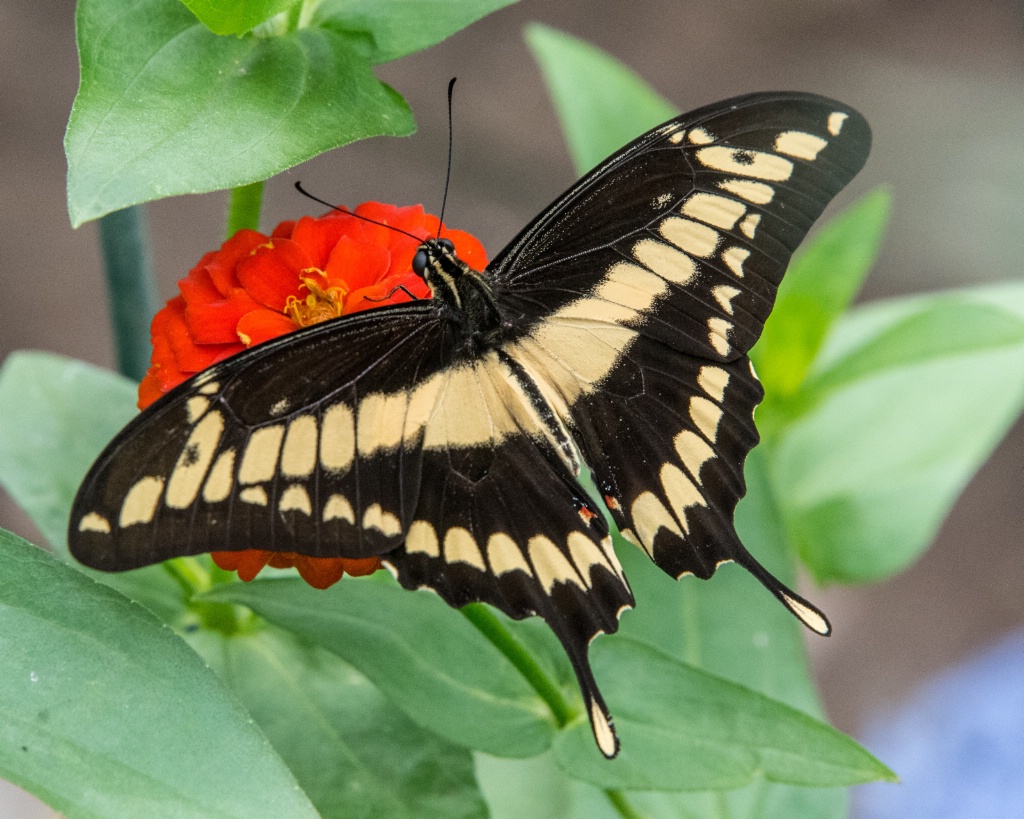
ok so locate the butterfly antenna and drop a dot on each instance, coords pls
(340, 209)
(448, 174)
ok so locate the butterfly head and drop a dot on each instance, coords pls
(430, 254)
(465, 291)
(438, 265)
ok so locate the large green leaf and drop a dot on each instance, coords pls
(236, 16)
(58, 414)
(426, 657)
(400, 27)
(601, 103)
(166, 107)
(105, 712)
(354, 754)
(907, 404)
(685, 729)
(819, 285)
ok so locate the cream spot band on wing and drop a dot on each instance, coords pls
(715, 210)
(756, 192)
(718, 335)
(295, 498)
(649, 515)
(376, 518)
(734, 257)
(705, 416)
(337, 438)
(195, 407)
(551, 565)
(221, 478)
(742, 162)
(196, 457)
(422, 538)
(298, 456)
(461, 547)
(698, 136)
(808, 616)
(338, 508)
(255, 495)
(800, 144)
(93, 522)
(381, 422)
(668, 262)
(724, 295)
(681, 492)
(259, 461)
(603, 732)
(691, 237)
(141, 501)
(505, 556)
(713, 380)
(835, 122)
(693, 451)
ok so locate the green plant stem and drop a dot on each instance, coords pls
(244, 208)
(620, 803)
(194, 579)
(131, 290)
(492, 628)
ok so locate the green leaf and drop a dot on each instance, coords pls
(684, 729)
(908, 403)
(425, 656)
(354, 754)
(236, 16)
(400, 27)
(601, 103)
(731, 626)
(166, 107)
(105, 712)
(819, 285)
(58, 413)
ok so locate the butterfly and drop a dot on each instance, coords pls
(449, 436)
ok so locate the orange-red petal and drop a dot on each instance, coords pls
(271, 273)
(221, 264)
(355, 264)
(262, 325)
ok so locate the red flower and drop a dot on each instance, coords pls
(258, 287)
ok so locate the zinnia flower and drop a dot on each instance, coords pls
(258, 287)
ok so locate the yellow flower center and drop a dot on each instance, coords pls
(320, 305)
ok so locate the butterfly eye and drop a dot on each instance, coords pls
(419, 262)
(447, 245)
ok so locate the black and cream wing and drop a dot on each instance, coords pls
(308, 443)
(640, 291)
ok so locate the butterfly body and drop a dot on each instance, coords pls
(450, 436)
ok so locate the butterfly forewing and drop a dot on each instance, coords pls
(626, 312)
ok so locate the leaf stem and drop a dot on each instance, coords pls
(244, 208)
(621, 804)
(194, 578)
(493, 629)
(131, 290)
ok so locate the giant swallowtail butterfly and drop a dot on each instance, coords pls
(448, 436)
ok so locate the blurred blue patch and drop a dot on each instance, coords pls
(957, 746)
